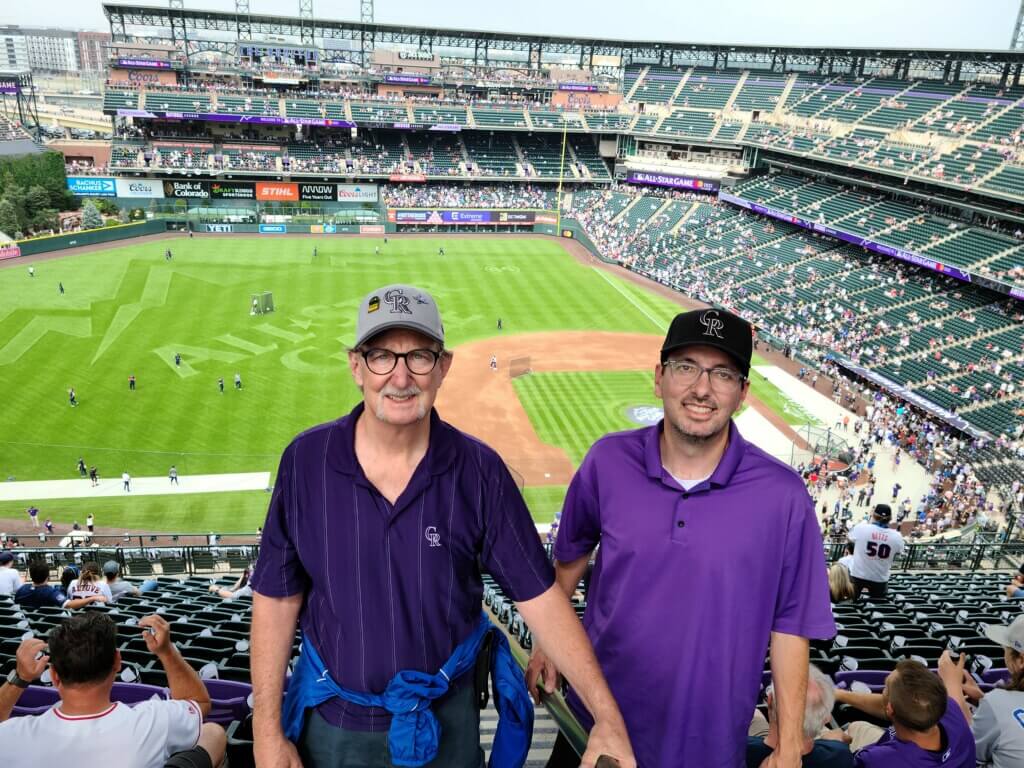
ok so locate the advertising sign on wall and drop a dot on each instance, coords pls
(193, 190)
(357, 193)
(136, 188)
(273, 229)
(277, 190)
(92, 186)
(9, 251)
(324, 192)
(232, 190)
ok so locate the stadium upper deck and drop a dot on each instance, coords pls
(951, 119)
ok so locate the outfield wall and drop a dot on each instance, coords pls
(90, 237)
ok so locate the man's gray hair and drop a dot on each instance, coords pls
(821, 698)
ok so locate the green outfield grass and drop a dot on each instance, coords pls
(128, 310)
(573, 409)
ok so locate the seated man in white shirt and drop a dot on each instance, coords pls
(84, 662)
(10, 579)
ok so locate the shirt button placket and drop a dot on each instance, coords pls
(680, 522)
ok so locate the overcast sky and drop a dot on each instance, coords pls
(889, 23)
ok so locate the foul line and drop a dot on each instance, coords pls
(660, 325)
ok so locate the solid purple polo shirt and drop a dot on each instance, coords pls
(396, 587)
(958, 748)
(687, 587)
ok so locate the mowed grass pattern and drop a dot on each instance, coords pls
(573, 409)
(127, 310)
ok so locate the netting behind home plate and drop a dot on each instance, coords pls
(816, 443)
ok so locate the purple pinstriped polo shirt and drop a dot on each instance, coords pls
(688, 586)
(397, 587)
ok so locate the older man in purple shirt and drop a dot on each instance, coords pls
(377, 530)
(709, 554)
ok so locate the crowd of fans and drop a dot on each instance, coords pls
(437, 196)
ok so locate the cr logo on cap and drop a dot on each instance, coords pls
(712, 323)
(398, 300)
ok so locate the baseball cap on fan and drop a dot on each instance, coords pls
(398, 306)
(1008, 637)
(713, 328)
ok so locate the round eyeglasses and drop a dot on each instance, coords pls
(383, 361)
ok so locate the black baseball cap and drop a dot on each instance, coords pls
(716, 328)
(883, 512)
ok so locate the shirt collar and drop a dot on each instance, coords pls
(723, 472)
(342, 450)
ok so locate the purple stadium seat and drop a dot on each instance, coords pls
(873, 678)
(35, 700)
(134, 693)
(229, 701)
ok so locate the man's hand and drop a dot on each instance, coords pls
(541, 665)
(610, 740)
(157, 633)
(971, 689)
(29, 667)
(275, 751)
(952, 673)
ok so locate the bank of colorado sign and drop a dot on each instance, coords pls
(193, 190)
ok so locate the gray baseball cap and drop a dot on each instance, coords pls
(398, 306)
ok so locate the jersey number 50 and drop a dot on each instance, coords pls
(878, 550)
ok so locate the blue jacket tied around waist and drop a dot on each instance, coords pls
(415, 733)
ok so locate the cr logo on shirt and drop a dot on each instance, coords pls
(432, 536)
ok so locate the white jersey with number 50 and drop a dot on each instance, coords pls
(874, 550)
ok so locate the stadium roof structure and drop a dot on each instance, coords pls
(183, 27)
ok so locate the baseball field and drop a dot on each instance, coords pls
(584, 340)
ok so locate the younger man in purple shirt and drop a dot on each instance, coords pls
(928, 728)
(377, 529)
(710, 552)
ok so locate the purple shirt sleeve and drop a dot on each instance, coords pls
(278, 571)
(803, 607)
(580, 528)
(512, 552)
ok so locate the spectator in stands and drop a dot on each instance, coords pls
(40, 593)
(998, 733)
(1016, 587)
(821, 748)
(840, 585)
(665, 631)
(84, 662)
(10, 579)
(118, 586)
(90, 585)
(420, 508)
(241, 588)
(875, 548)
(928, 726)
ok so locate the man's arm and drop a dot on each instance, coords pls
(868, 703)
(182, 680)
(29, 668)
(81, 602)
(952, 675)
(273, 629)
(567, 577)
(790, 659)
(557, 630)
